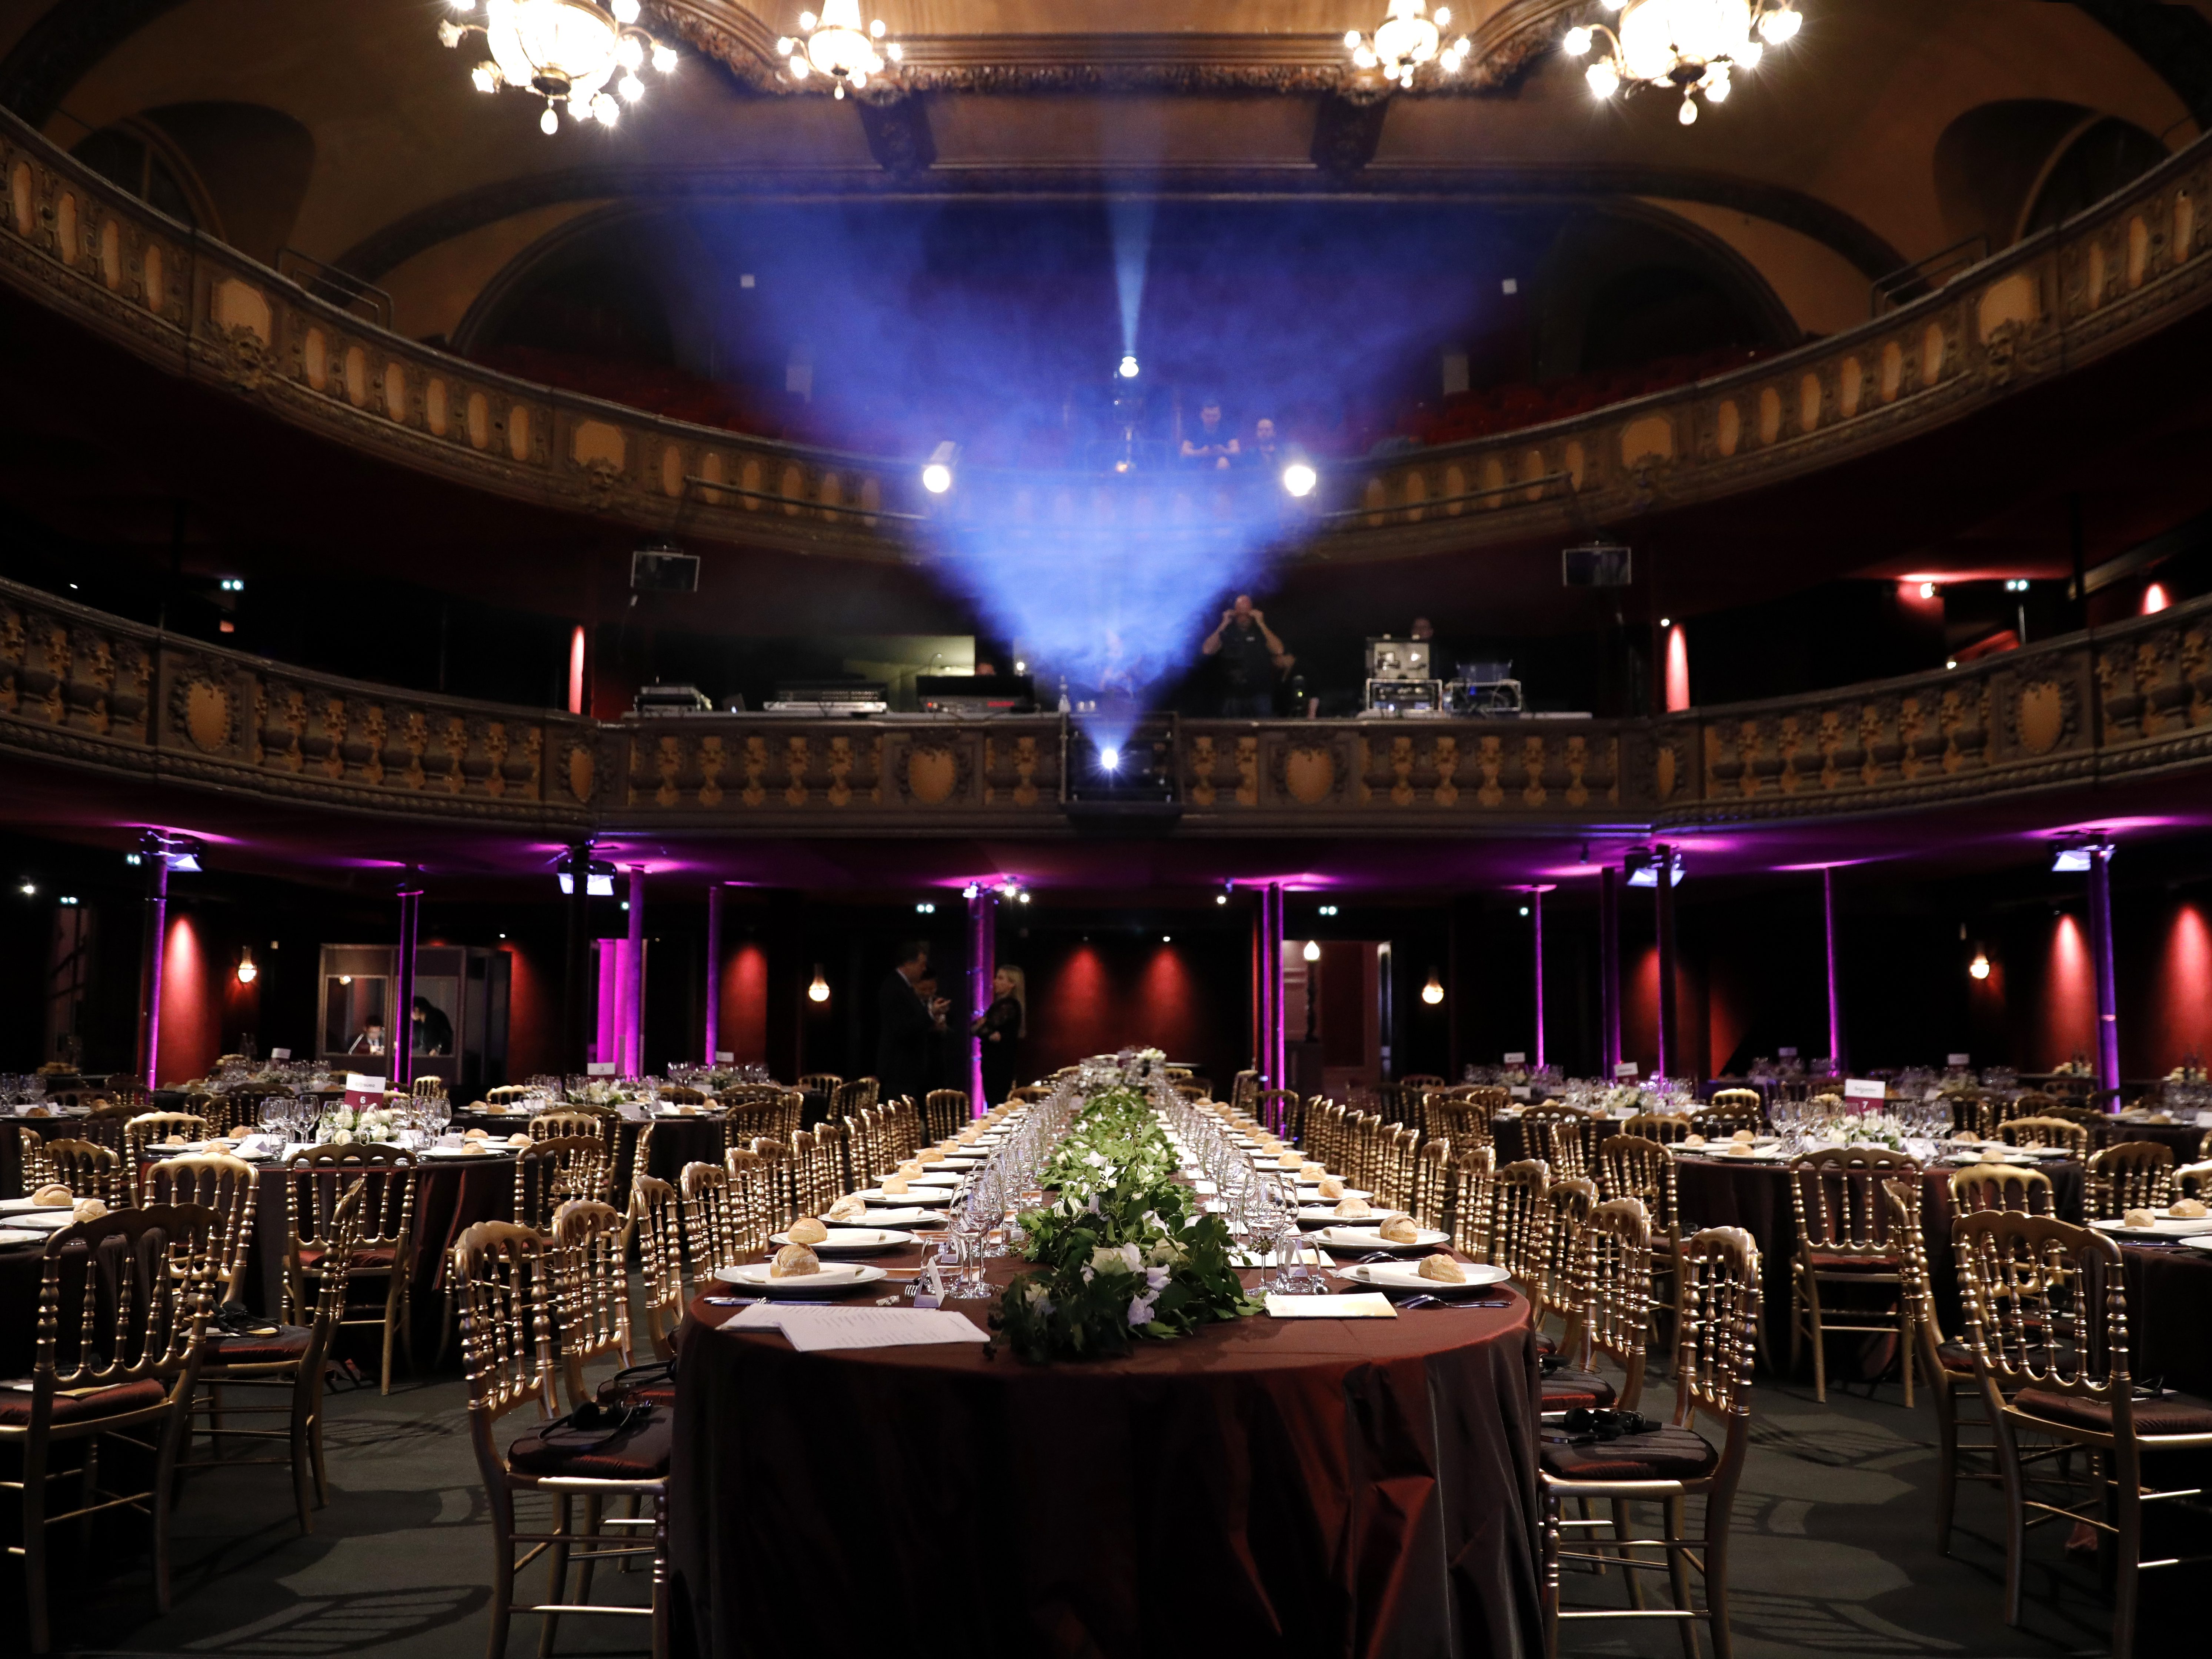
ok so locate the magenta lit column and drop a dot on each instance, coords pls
(1273, 1057)
(402, 1014)
(1609, 967)
(155, 855)
(2100, 948)
(714, 971)
(983, 965)
(1662, 861)
(630, 997)
(1835, 984)
(1536, 942)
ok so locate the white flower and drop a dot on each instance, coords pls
(1141, 1309)
(1157, 1278)
(1117, 1258)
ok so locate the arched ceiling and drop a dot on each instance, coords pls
(1820, 171)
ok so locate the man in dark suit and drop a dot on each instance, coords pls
(906, 1025)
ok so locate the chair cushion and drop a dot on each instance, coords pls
(1667, 1454)
(1566, 1388)
(288, 1342)
(368, 1259)
(636, 1453)
(15, 1401)
(1956, 1357)
(2171, 1413)
(1546, 1343)
(1827, 1262)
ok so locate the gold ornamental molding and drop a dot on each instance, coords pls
(2106, 279)
(94, 693)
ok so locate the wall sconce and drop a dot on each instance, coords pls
(1312, 953)
(819, 991)
(1979, 967)
(1433, 992)
(247, 973)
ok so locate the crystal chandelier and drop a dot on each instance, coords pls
(836, 45)
(1691, 46)
(565, 51)
(1405, 40)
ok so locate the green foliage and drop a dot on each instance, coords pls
(1122, 1252)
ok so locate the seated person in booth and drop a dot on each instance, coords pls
(433, 1032)
(906, 1024)
(1210, 443)
(1265, 453)
(370, 1040)
(1253, 660)
(1000, 1029)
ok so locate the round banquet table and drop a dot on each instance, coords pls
(676, 1142)
(2170, 1315)
(1267, 1487)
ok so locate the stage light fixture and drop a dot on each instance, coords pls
(1299, 479)
(1110, 758)
(925, 909)
(66, 898)
(1641, 869)
(936, 475)
(1928, 590)
(599, 883)
(1128, 370)
(819, 991)
(29, 890)
(2072, 853)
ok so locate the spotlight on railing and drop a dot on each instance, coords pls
(936, 475)
(1299, 479)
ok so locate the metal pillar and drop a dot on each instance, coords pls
(982, 964)
(1537, 939)
(629, 985)
(714, 971)
(402, 1067)
(2100, 950)
(1608, 966)
(1835, 983)
(1274, 1058)
(1662, 858)
(149, 966)
(576, 982)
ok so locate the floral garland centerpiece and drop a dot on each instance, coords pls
(1122, 1253)
(342, 1125)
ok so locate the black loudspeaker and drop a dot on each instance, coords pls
(664, 570)
(1597, 564)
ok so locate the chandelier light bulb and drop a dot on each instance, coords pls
(1780, 26)
(807, 19)
(876, 29)
(247, 973)
(629, 52)
(631, 88)
(485, 76)
(664, 59)
(1688, 115)
(1603, 81)
(549, 124)
(786, 45)
(798, 66)
(894, 52)
(461, 5)
(1578, 43)
(1717, 87)
(1364, 58)
(1979, 967)
(449, 33)
(1351, 39)
(819, 991)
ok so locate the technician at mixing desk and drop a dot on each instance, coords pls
(1252, 659)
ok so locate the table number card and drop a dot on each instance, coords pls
(1354, 1304)
(1516, 1059)
(600, 1068)
(1626, 1068)
(1864, 1088)
(361, 1090)
(1958, 1059)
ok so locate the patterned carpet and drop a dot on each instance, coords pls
(1834, 1555)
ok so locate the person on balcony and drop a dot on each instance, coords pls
(1212, 444)
(1253, 660)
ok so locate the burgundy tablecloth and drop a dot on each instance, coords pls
(676, 1142)
(2170, 1314)
(1268, 1488)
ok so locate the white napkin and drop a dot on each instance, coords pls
(817, 1330)
(1354, 1304)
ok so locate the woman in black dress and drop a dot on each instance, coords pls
(1002, 1027)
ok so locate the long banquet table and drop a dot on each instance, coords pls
(1267, 1487)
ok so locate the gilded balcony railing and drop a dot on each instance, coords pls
(85, 691)
(2102, 279)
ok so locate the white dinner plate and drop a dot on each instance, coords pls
(957, 1161)
(12, 1238)
(12, 1206)
(2165, 1229)
(40, 1221)
(1407, 1276)
(913, 1195)
(834, 1276)
(935, 1175)
(854, 1241)
(1310, 1193)
(895, 1216)
(1325, 1215)
(1370, 1238)
(2199, 1241)
(490, 1149)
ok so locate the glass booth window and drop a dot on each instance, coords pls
(355, 1014)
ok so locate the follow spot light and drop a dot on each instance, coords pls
(936, 475)
(1299, 479)
(1128, 370)
(1109, 757)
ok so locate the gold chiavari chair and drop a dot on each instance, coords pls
(315, 1182)
(708, 1233)
(1471, 1204)
(429, 1088)
(1844, 1238)
(1567, 1207)
(2193, 1181)
(656, 1225)
(1606, 1277)
(2001, 1186)
(679, 1094)
(2045, 1132)
(1244, 1090)
(2134, 1174)
(287, 1360)
(2024, 1281)
(88, 1171)
(550, 1172)
(863, 1150)
(123, 1305)
(1723, 1122)
(1676, 1462)
(1629, 1165)
(1521, 1223)
(1736, 1100)
(814, 1180)
(902, 1124)
(38, 1170)
(754, 1208)
(861, 1094)
(590, 1292)
(833, 1147)
(143, 1134)
(1560, 1135)
(1277, 1109)
(2092, 1118)
(1431, 1205)
(506, 1274)
(600, 1122)
(821, 1083)
(943, 1112)
(222, 1184)
(1390, 1162)
(1664, 1128)
(779, 1171)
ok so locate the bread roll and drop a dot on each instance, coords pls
(794, 1261)
(1290, 1160)
(1353, 1209)
(1398, 1228)
(895, 1186)
(1332, 1187)
(518, 1141)
(851, 1207)
(476, 1134)
(930, 1155)
(911, 1167)
(2142, 1220)
(1744, 1136)
(1694, 1141)
(1443, 1269)
(2185, 1209)
(87, 1209)
(56, 1197)
(807, 1230)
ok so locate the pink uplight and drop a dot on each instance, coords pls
(2156, 599)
